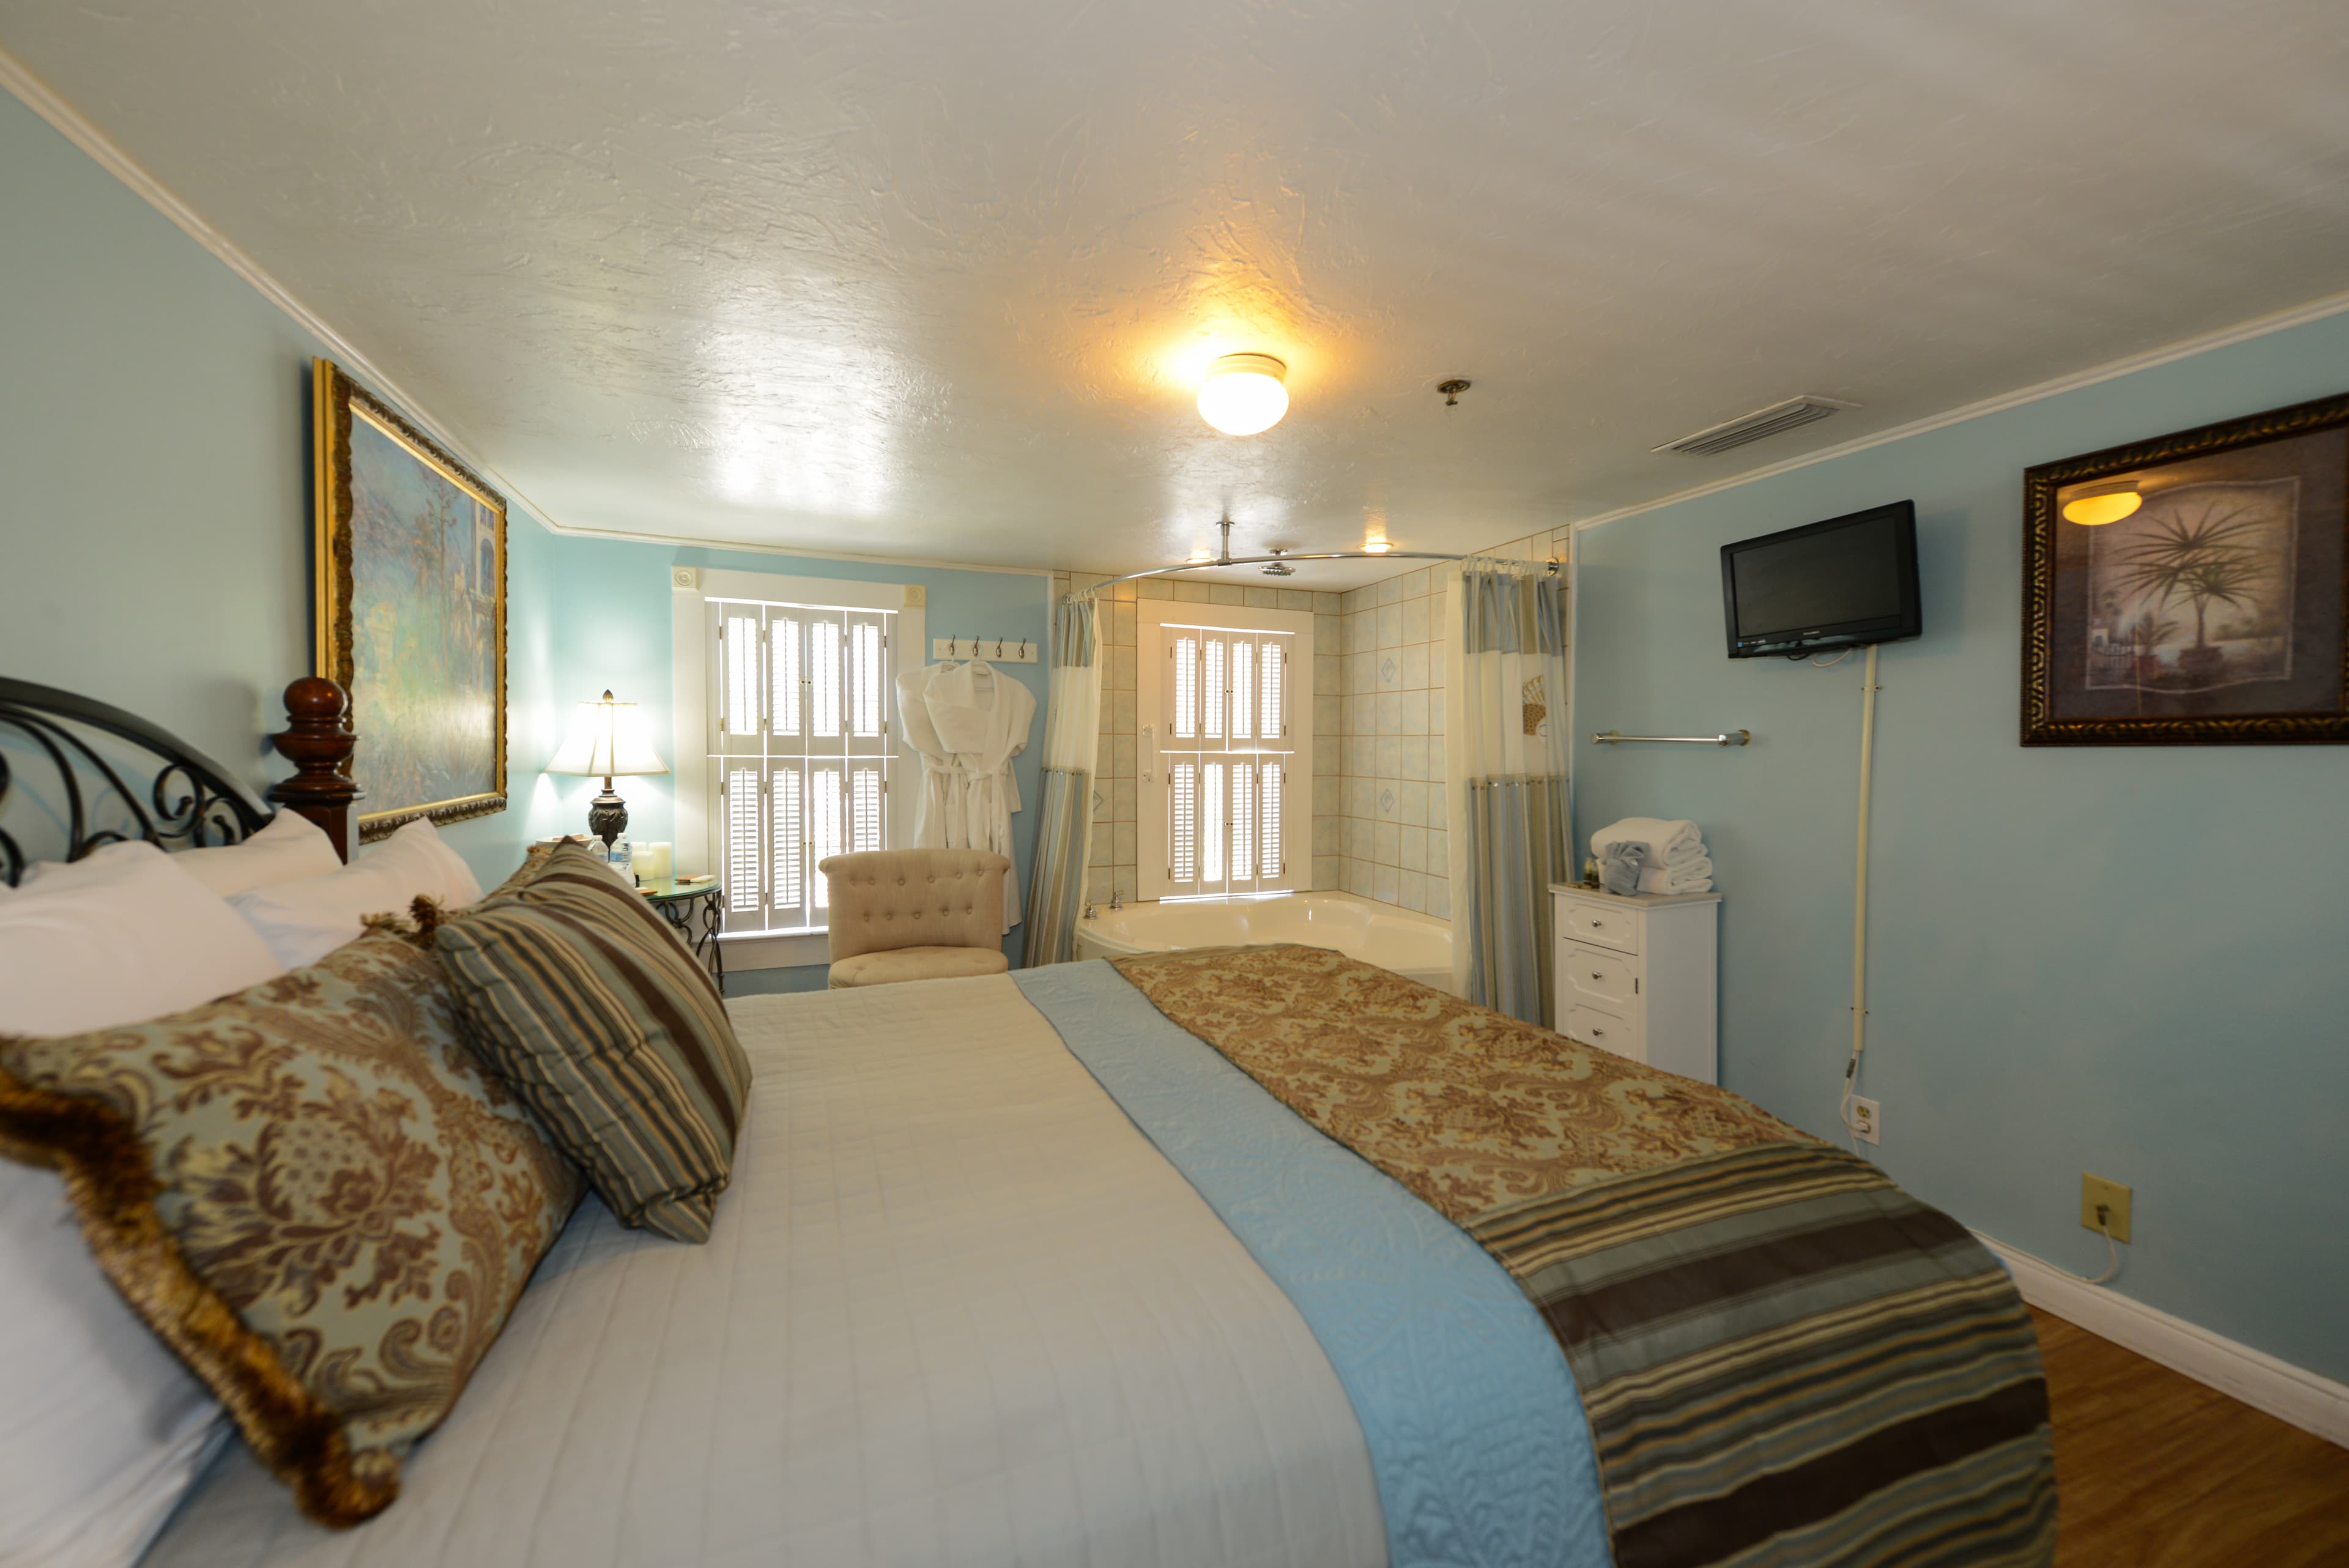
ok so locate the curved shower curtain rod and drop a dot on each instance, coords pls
(1280, 557)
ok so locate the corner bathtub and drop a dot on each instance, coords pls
(1416, 946)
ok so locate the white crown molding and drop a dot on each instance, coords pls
(75, 126)
(2184, 348)
(789, 552)
(2306, 1399)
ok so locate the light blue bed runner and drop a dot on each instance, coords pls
(1476, 1436)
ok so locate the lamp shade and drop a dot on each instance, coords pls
(606, 739)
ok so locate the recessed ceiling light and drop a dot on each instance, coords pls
(1243, 393)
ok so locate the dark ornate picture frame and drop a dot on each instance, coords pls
(415, 542)
(2216, 613)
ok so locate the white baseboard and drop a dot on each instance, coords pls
(2312, 1402)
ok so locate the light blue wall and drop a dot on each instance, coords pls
(2133, 961)
(154, 472)
(155, 514)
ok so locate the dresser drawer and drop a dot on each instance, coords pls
(1606, 1031)
(1600, 977)
(1585, 920)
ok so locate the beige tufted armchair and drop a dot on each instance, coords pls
(916, 914)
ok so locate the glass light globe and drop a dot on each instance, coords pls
(2097, 508)
(1243, 393)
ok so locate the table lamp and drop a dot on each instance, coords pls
(608, 739)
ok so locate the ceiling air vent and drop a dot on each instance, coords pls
(1755, 426)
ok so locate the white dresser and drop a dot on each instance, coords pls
(1637, 975)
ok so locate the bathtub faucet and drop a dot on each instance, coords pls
(1116, 899)
(1089, 909)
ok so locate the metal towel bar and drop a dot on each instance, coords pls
(1735, 738)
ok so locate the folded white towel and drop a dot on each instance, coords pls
(1670, 843)
(1696, 877)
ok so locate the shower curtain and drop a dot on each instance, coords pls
(1505, 778)
(1072, 731)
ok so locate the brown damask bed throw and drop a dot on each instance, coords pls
(312, 1193)
(1784, 1359)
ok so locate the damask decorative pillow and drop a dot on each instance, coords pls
(312, 1193)
(582, 998)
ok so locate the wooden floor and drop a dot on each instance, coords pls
(2156, 1470)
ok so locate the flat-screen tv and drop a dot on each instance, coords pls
(1838, 584)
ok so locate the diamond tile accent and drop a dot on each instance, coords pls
(1387, 801)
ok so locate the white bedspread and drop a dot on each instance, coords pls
(956, 1310)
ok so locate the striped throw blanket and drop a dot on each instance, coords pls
(1784, 1359)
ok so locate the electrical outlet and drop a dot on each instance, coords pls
(2096, 1191)
(1867, 1121)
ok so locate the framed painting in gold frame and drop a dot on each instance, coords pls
(411, 609)
(2192, 589)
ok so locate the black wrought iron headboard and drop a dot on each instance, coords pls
(188, 800)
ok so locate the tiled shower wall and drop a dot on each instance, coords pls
(1394, 815)
(1112, 866)
(1380, 814)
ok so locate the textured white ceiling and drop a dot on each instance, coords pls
(936, 278)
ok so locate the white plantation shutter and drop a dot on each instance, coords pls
(801, 740)
(1183, 822)
(790, 866)
(824, 677)
(1182, 723)
(745, 852)
(1243, 789)
(1272, 852)
(787, 635)
(1227, 750)
(864, 809)
(1273, 722)
(825, 807)
(867, 677)
(1241, 689)
(1211, 823)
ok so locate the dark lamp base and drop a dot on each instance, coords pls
(607, 815)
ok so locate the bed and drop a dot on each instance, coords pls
(1078, 1265)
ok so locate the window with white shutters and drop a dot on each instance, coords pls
(1227, 740)
(800, 714)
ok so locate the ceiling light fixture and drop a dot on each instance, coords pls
(1375, 546)
(1243, 393)
(2102, 504)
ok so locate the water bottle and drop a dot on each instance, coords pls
(624, 860)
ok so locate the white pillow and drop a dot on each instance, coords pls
(101, 1429)
(290, 846)
(119, 936)
(302, 921)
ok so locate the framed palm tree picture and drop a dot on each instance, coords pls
(2192, 589)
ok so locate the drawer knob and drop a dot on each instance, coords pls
(1597, 975)
(1596, 924)
(1598, 1035)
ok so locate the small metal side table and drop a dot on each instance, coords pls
(697, 910)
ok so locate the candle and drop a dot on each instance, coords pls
(655, 861)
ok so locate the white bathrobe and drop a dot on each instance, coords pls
(983, 717)
(943, 823)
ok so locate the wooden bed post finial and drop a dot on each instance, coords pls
(317, 743)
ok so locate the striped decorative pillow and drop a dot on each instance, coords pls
(576, 993)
